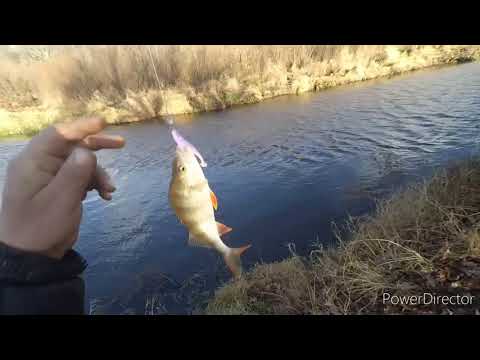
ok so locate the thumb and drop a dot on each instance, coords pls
(68, 187)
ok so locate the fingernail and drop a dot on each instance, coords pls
(106, 196)
(111, 187)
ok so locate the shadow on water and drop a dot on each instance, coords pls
(283, 171)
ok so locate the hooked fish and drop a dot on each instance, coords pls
(194, 203)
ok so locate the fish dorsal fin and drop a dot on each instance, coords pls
(214, 200)
(192, 241)
(223, 229)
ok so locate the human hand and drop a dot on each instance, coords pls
(47, 182)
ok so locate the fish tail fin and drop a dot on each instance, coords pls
(232, 259)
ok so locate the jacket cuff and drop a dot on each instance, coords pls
(22, 267)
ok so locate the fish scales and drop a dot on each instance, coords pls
(194, 202)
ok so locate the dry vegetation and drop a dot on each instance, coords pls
(45, 84)
(425, 239)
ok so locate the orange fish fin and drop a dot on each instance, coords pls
(214, 200)
(223, 229)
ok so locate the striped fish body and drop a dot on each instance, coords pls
(193, 202)
(193, 207)
(190, 198)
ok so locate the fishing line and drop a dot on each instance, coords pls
(168, 118)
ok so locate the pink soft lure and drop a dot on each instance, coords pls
(184, 144)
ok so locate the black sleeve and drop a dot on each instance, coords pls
(36, 284)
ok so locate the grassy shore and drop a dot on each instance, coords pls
(121, 84)
(423, 240)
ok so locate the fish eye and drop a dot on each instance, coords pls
(182, 168)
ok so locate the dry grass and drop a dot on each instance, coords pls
(119, 82)
(113, 71)
(425, 239)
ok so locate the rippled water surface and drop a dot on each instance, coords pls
(283, 171)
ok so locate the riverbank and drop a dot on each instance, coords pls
(118, 83)
(425, 240)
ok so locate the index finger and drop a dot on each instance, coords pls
(79, 129)
(58, 139)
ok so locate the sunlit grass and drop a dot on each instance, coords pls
(121, 84)
(26, 123)
(425, 239)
